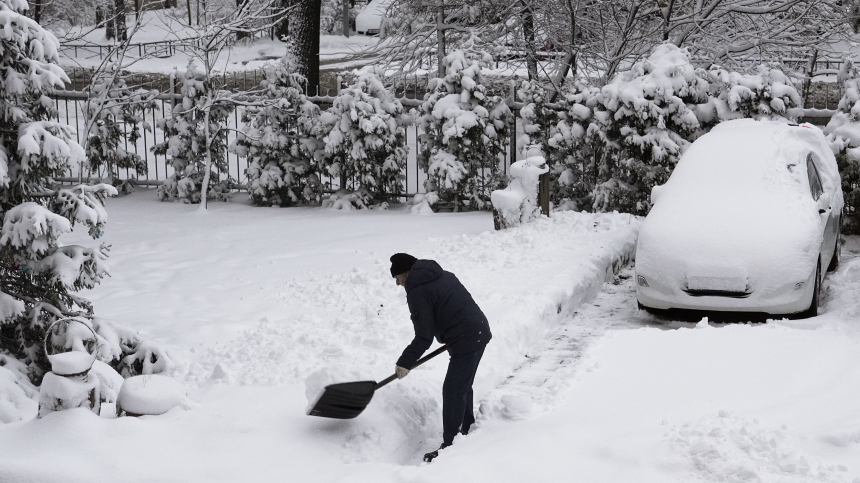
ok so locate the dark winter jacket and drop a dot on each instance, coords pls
(441, 307)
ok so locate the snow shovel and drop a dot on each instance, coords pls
(348, 399)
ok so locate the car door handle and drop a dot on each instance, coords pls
(822, 210)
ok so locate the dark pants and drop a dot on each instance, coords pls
(457, 410)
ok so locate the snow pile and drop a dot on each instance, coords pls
(17, 393)
(59, 393)
(73, 362)
(150, 394)
(726, 447)
(518, 203)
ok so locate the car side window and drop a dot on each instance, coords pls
(814, 179)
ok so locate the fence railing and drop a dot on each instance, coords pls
(71, 106)
(70, 110)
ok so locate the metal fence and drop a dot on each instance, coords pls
(70, 110)
(824, 97)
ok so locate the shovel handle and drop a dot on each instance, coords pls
(420, 361)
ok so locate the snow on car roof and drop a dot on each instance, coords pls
(742, 154)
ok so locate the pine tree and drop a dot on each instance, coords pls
(366, 141)
(767, 94)
(465, 130)
(116, 115)
(280, 139)
(186, 141)
(573, 154)
(38, 277)
(646, 118)
(843, 133)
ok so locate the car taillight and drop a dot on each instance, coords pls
(641, 281)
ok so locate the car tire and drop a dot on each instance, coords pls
(812, 311)
(837, 251)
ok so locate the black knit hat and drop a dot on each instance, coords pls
(401, 263)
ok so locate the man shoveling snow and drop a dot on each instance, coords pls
(441, 307)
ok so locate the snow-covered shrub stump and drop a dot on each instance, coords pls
(518, 203)
(149, 395)
(77, 378)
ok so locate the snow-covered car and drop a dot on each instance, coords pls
(369, 20)
(747, 222)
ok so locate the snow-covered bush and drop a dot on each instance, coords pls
(535, 118)
(186, 141)
(572, 153)
(38, 276)
(366, 142)
(647, 118)
(518, 203)
(767, 94)
(331, 17)
(280, 140)
(465, 130)
(115, 115)
(843, 133)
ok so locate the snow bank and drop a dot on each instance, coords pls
(518, 203)
(17, 394)
(150, 394)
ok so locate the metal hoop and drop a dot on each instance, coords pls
(66, 319)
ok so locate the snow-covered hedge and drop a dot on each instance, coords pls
(767, 94)
(572, 151)
(281, 140)
(115, 115)
(366, 142)
(843, 133)
(645, 119)
(465, 130)
(186, 142)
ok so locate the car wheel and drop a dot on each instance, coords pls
(812, 311)
(837, 251)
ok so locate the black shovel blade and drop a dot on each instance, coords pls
(344, 401)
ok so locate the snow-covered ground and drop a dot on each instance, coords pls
(577, 383)
(162, 26)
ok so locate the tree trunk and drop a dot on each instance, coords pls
(440, 39)
(119, 20)
(529, 37)
(346, 18)
(282, 29)
(188, 3)
(810, 73)
(241, 35)
(307, 38)
(110, 25)
(207, 169)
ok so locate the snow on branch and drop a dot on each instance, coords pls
(48, 141)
